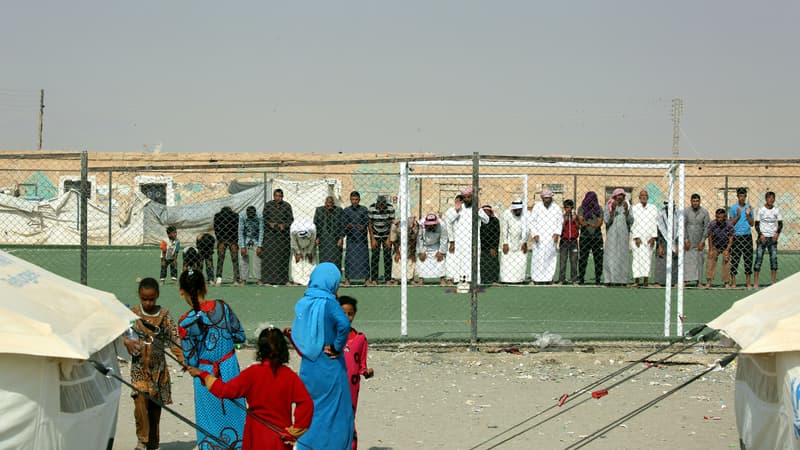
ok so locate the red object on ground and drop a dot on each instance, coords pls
(599, 393)
(563, 399)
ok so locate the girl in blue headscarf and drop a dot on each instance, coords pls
(319, 333)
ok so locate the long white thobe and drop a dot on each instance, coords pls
(301, 270)
(430, 243)
(513, 232)
(544, 222)
(459, 231)
(644, 227)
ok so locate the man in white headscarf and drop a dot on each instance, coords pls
(545, 223)
(432, 247)
(304, 259)
(514, 243)
(458, 220)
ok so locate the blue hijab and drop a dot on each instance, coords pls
(308, 329)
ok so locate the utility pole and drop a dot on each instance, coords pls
(677, 109)
(41, 116)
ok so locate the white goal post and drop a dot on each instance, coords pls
(671, 172)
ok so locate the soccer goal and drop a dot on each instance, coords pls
(429, 187)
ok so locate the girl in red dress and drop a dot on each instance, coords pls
(271, 388)
(355, 356)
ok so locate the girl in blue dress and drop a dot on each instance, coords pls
(209, 333)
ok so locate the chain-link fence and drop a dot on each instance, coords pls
(494, 248)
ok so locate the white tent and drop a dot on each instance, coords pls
(50, 398)
(766, 325)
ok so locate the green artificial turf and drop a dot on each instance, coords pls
(507, 313)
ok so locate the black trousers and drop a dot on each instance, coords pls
(742, 248)
(374, 259)
(594, 244)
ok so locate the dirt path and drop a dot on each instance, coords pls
(459, 399)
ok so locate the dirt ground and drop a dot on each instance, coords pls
(437, 398)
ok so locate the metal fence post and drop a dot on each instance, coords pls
(84, 204)
(110, 195)
(473, 332)
(403, 206)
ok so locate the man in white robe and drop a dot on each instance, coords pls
(545, 223)
(644, 232)
(304, 256)
(459, 230)
(514, 242)
(432, 248)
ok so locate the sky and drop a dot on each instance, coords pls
(584, 78)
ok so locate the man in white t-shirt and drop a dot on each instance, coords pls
(769, 223)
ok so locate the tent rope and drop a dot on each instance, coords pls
(108, 372)
(601, 392)
(603, 430)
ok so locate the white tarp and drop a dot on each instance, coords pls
(196, 218)
(767, 327)
(57, 221)
(50, 398)
(139, 221)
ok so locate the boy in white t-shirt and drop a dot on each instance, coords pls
(769, 223)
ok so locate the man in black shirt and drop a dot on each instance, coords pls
(226, 229)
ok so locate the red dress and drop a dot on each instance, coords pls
(270, 397)
(355, 356)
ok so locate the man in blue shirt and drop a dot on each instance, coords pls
(251, 234)
(741, 215)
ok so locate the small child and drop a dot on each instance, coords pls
(568, 250)
(169, 252)
(271, 388)
(355, 356)
(202, 254)
(149, 371)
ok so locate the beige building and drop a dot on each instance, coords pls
(194, 178)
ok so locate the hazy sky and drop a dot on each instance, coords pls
(499, 77)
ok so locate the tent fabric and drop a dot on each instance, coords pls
(766, 321)
(42, 408)
(197, 218)
(50, 396)
(55, 221)
(44, 314)
(237, 186)
(765, 326)
(138, 220)
(766, 400)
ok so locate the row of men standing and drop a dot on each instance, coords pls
(641, 229)
(504, 242)
(443, 246)
(264, 241)
(633, 234)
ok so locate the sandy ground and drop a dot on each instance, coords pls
(456, 399)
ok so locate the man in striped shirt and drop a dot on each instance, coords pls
(381, 215)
